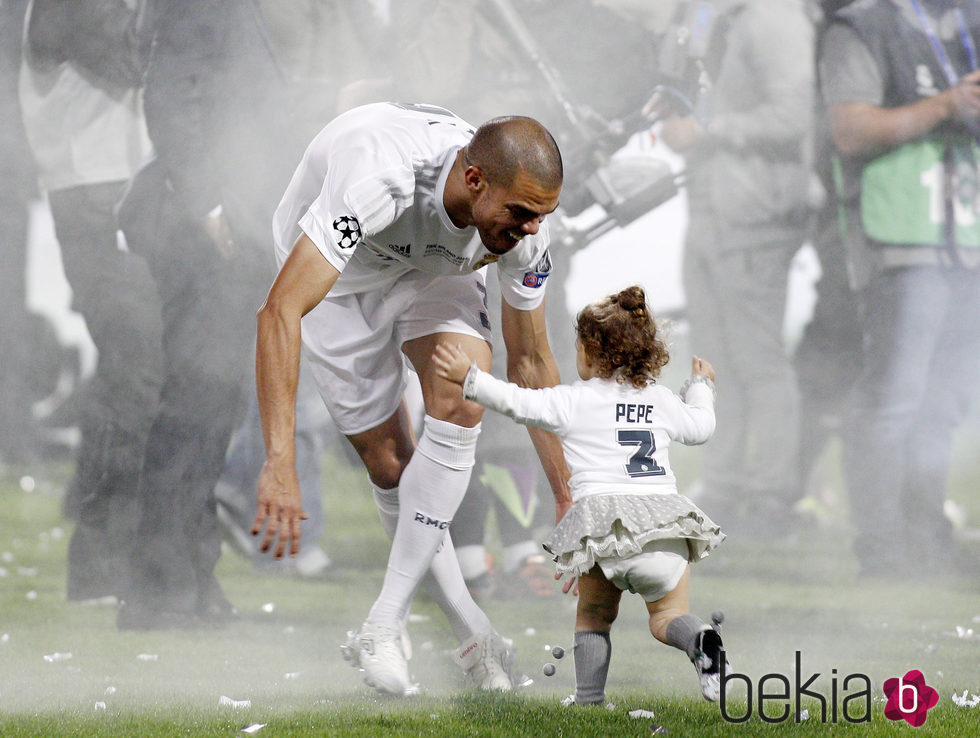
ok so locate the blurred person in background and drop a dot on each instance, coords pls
(901, 81)
(80, 91)
(827, 359)
(199, 212)
(22, 330)
(745, 149)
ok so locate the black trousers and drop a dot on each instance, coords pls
(208, 303)
(114, 292)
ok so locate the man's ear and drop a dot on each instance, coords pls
(474, 178)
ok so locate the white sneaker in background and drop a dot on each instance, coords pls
(312, 562)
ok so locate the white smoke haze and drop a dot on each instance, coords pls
(282, 656)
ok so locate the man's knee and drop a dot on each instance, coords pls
(384, 462)
(384, 472)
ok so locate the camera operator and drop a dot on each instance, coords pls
(745, 149)
(901, 82)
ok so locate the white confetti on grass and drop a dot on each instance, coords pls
(32, 595)
(110, 690)
(291, 675)
(27, 484)
(269, 607)
(253, 728)
(642, 714)
(100, 706)
(5, 638)
(224, 701)
(963, 701)
(53, 658)
(962, 632)
(148, 656)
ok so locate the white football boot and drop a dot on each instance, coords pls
(488, 660)
(382, 652)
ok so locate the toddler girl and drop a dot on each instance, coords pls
(628, 528)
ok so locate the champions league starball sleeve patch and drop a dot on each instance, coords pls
(347, 231)
(542, 270)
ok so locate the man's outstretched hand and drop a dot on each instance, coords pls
(279, 508)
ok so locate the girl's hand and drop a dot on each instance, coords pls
(451, 362)
(571, 584)
(700, 366)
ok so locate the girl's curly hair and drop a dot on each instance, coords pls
(619, 337)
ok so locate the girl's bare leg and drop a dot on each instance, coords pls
(671, 622)
(672, 605)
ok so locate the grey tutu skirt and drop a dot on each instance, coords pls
(611, 525)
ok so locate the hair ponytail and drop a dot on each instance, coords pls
(620, 338)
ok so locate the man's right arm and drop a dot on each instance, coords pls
(304, 280)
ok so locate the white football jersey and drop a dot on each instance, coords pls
(369, 193)
(615, 437)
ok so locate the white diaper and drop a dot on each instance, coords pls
(651, 574)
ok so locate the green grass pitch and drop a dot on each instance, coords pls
(283, 657)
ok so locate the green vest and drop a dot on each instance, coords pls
(903, 200)
(903, 194)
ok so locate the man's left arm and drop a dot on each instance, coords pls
(530, 363)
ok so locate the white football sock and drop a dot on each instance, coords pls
(444, 582)
(431, 489)
(387, 502)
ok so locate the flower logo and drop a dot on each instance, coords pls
(909, 698)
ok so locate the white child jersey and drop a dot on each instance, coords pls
(369, 193)
(615, 436)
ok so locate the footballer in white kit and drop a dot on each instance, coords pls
(369, 193)
(382, 237)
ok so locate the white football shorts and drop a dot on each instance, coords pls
(651, 574)
(353, 342)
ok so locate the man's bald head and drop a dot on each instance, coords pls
(502, 147)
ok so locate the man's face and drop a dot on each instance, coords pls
(504, 214)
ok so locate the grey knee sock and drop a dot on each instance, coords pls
(592, 652)
(682, 633)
